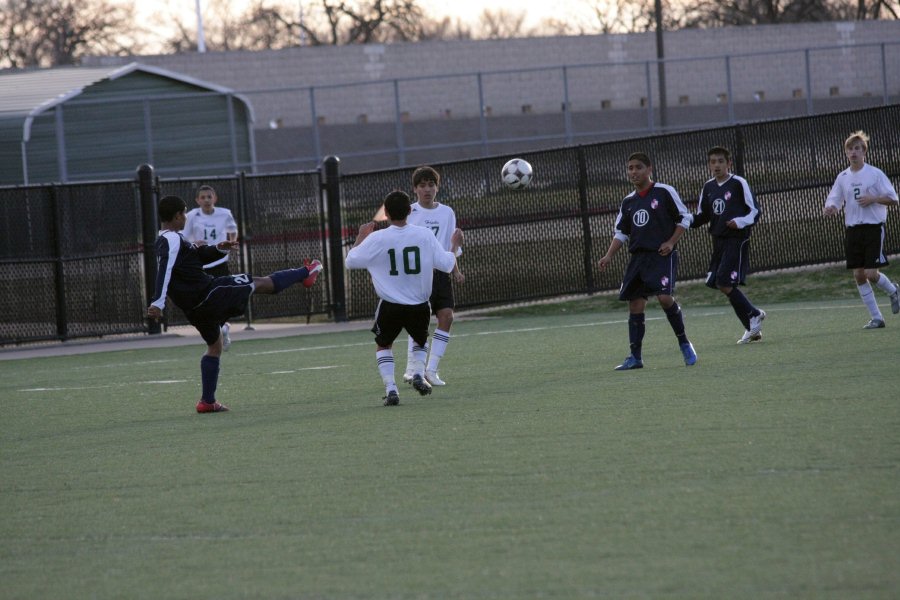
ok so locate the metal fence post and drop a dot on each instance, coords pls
(331, 187)
(246, 237)
(585, 221)
(150, 230)
(809, 100)
(59, 277)
(398, 126)
(482, 118)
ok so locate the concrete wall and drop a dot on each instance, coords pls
(278, 82)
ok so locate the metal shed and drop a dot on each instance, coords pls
(91, 123)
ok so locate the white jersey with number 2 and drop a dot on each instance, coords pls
(401, 261)
(850, 185)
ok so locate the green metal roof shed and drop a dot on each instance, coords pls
(91, 123)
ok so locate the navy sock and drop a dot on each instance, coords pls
(742, 306)
(288, 277)
(636, 333)
(673, 313)
(209, 376)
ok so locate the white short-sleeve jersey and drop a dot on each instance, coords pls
(401, 261)
(211, 229)
(441, 220)
(850, 185)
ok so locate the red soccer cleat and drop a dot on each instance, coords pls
(314, 267)
(206, 407)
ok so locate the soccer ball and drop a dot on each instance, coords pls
(516, 174)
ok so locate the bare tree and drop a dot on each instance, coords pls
(444, 29)
(620, 16)
(264, 25)
(256, 28)
(715, 13)
(45, 33)
(501, 24)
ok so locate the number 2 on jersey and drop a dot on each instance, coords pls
(412, 263)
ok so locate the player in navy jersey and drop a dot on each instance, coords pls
(865, 193)
(651, 220)
(400, 260)
(728, 205)
(208, 301)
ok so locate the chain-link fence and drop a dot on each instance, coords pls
(71, 262)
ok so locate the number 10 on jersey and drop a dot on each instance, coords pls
(412, 263)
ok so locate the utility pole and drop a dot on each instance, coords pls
(201, 40)
(302, 31)
(660, 65)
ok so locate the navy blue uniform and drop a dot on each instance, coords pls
(645, 222)
(207, 302)
(720, 203)
(724, 202)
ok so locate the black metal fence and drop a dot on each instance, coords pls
(71, 256)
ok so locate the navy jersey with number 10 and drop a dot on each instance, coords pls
(647, 220)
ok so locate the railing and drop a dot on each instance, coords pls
(73, 259)
(394, 123)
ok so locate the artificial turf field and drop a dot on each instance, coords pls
(765, 471)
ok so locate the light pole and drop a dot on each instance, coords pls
(201, 41)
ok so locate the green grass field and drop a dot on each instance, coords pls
(768, 470)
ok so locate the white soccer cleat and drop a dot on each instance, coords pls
(756, 322)
(432, 378)
(226, 338)
(748, 338)
(895, 298)
(407, 376)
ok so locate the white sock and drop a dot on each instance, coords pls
(417, 366)
(410, 348)
(868, 297)
(439, 342)
(884, 284)
(385, 360)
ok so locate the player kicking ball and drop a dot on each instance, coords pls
(208, 301)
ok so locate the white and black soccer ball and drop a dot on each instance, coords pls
(516, 173)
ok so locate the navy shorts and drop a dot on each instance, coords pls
(649, 274)
(865, 247)
(226, 297)
(391, 319)
(441, 291)
(730, 262)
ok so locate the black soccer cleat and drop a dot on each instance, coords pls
(392, 398)
(420, 385)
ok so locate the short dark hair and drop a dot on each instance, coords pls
(169, 207)
(641, 157)
(719, 150)
(205, 188)
(397, 205)
(426, 174)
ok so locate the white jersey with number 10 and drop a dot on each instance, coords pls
(401, 261)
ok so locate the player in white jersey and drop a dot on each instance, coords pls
(865, 192)
(209, 224)
(441, 220)
(400, 260)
